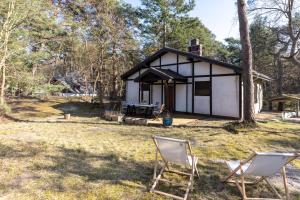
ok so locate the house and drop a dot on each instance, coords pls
(188, 82)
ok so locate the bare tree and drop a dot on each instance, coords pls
(5, 35)
(246, 63)
(285, 16)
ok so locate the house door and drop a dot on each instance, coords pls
(169, 97)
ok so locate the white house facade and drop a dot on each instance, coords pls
(189, 83)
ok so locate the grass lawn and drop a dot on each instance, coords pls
(44, 157)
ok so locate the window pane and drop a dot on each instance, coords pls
(202, 88)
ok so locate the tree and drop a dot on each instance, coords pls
(167, 23)
(230, 51)
(5, 34)
(278, 25)
(246, 63)
(158, 19)
(107, 40)
(278, 12)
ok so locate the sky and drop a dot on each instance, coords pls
(219, 16)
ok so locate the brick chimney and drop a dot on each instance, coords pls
(195, 47)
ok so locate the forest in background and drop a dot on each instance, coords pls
(101, 39)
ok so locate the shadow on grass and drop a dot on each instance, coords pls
(286, 143)
(24, 150)
(95, 167)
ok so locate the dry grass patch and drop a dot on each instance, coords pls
(46, 157)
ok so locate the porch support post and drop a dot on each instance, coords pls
(186, 97)
(174, 106)
(162, 92)
(166, 94)
(193, 86)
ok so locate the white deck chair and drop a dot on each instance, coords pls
(174, 151)
(260, 166)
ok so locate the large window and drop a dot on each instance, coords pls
(202, 88)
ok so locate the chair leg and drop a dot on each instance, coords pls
(189, 187)
(273, 189)
(157, 179)
(197, 172)
(155, 166)
(243, 187)
(287, 196)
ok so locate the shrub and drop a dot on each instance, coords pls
(4, 109)
(236, 127)
(49, 89)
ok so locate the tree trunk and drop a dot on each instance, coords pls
(2, 89)
(246, 63)
(114, 75)
(279, 80)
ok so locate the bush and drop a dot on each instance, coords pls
(48, 89)
(236, 127)
(24, 83)
(4, 109)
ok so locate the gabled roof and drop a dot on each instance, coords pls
(192, 57)
(159, 74)
(189, 56)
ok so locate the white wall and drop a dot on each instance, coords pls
(216, 69)
(156, 95)
(169, 58)
(132, 92)
(185, 69)
(182, 59)
(225, 96)
(171, 67)
(180, 98)
(201, 68)
(258, 106)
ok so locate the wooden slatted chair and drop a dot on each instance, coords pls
(157, 113)
(259, 166)
(174, 151)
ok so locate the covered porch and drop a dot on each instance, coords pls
(158, 86)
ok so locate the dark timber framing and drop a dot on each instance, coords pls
(186, 98)
(149, 95)
(140, 88)
(174, 95)
(210, 92)
(177, 63)
(193, 87)
(190, 80)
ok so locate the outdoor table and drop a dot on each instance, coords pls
(146, 108)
